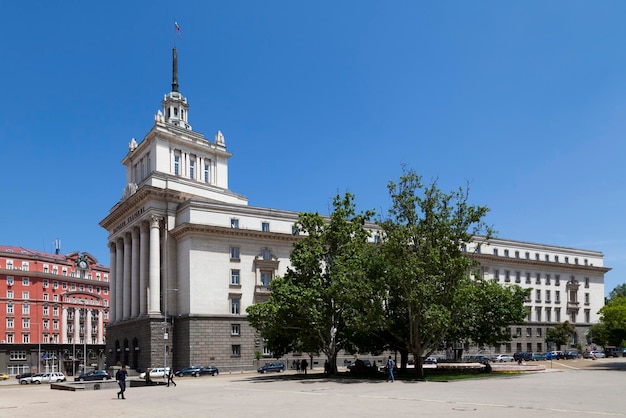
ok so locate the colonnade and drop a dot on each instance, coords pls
(135, 260)
(88, 324)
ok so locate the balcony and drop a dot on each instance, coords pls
(262, 290)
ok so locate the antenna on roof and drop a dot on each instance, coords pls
(57, 246)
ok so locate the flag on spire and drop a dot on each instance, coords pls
(180, 35)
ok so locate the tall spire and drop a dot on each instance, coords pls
(174, 70)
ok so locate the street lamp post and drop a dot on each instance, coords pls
(165, 334)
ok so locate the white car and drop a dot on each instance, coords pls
(504, 357)
(156, 372)
(54, 377)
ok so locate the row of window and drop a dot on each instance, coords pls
(528, 280)
(572, 315)
(55, 270)
(235, 277)
(206, 172)
(55, 311)
(55, 285)
(538, 256)
(47, 339)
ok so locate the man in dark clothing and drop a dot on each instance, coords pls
(120, 376)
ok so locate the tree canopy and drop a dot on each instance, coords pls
(613, 316)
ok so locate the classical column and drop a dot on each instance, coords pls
(112, 279)
(155, 266)
(100, 339)
(127, 278)
(76, 326)
(87, 325)
(117, 305)
(144, 250)
(63, 325)
(134, 300)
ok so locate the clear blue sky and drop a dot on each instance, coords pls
(525, 100)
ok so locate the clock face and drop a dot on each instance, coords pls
(82, 264)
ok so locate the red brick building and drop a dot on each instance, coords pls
(55, 309)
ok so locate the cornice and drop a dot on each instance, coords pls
(193, 229)
(541, 265)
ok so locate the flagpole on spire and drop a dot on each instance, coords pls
(177, 29)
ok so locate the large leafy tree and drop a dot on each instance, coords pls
(324, 299)
(430, 296)
(613, 315)
(560, 334)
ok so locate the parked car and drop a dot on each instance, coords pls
(593, 354)
(503, 357)
(156, 372)
(537, 356)
(555, 355)
(523, 356)
(29, 379)
(210, 370)
(572, 355)
(430, 360)
(189, 371)
(4, 376)
(54, 377)
(93, 375)
(272, 367)
(23, 375)
(614, 351)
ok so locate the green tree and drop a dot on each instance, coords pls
(430, 296)
(324, 298)
(613, 316)
(619, 290)
(560, 334)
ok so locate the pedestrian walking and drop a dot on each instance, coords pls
(170, 378)
(390, 364)
(120, 376)
(304, 365)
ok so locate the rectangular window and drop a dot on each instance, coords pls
(266, 278)
(55, 298)
(73, 286)
(25, 323)
(547, 257)
(177, 164)
(10, 281)
(538, 295)
(45, 283)
(9, 294)
(527, 255)
(376, 239)
(17, 355)
(235, 329)
(10, 323)
(235, 306)
(496, 275)
(55, 311)
(518, 332)
(9, 308)
(192, 169)
(25, 295)
(587, 316)
(45, 268)
(539, 347)
(516, 254)
(518, 277)
(26, 309)
(537, 256)
(24, 281)
(529, 346)
(265, 226)
(507, 276)
(45, 310)
(527, 278)
(538, 314)
(506, 253)
(24, 266)
(234, 253)
(495, 251)
(566, 260)
(234, 223)
(547, 279)
(547, 296)
(586, 298)
(586, 282)
(55, 324)
(539, 332)
(267, 254)
(538, 280)
(548, 314)
(556, 258)
(529, 332)
(206, 173)
(234, 277)
(236, 350)
(557, 280)
(557, 296)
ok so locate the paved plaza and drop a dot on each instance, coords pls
(575, 388)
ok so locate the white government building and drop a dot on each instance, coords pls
(188, 255)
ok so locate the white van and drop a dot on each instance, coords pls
(156, 372)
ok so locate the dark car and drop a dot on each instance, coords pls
(572, 355)
(24, 375)
(478, 359)
(523, 356)
(210, 370)
(363, 367)
(94, 375)
(613, 351)
(272, 367)
(189, 371)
